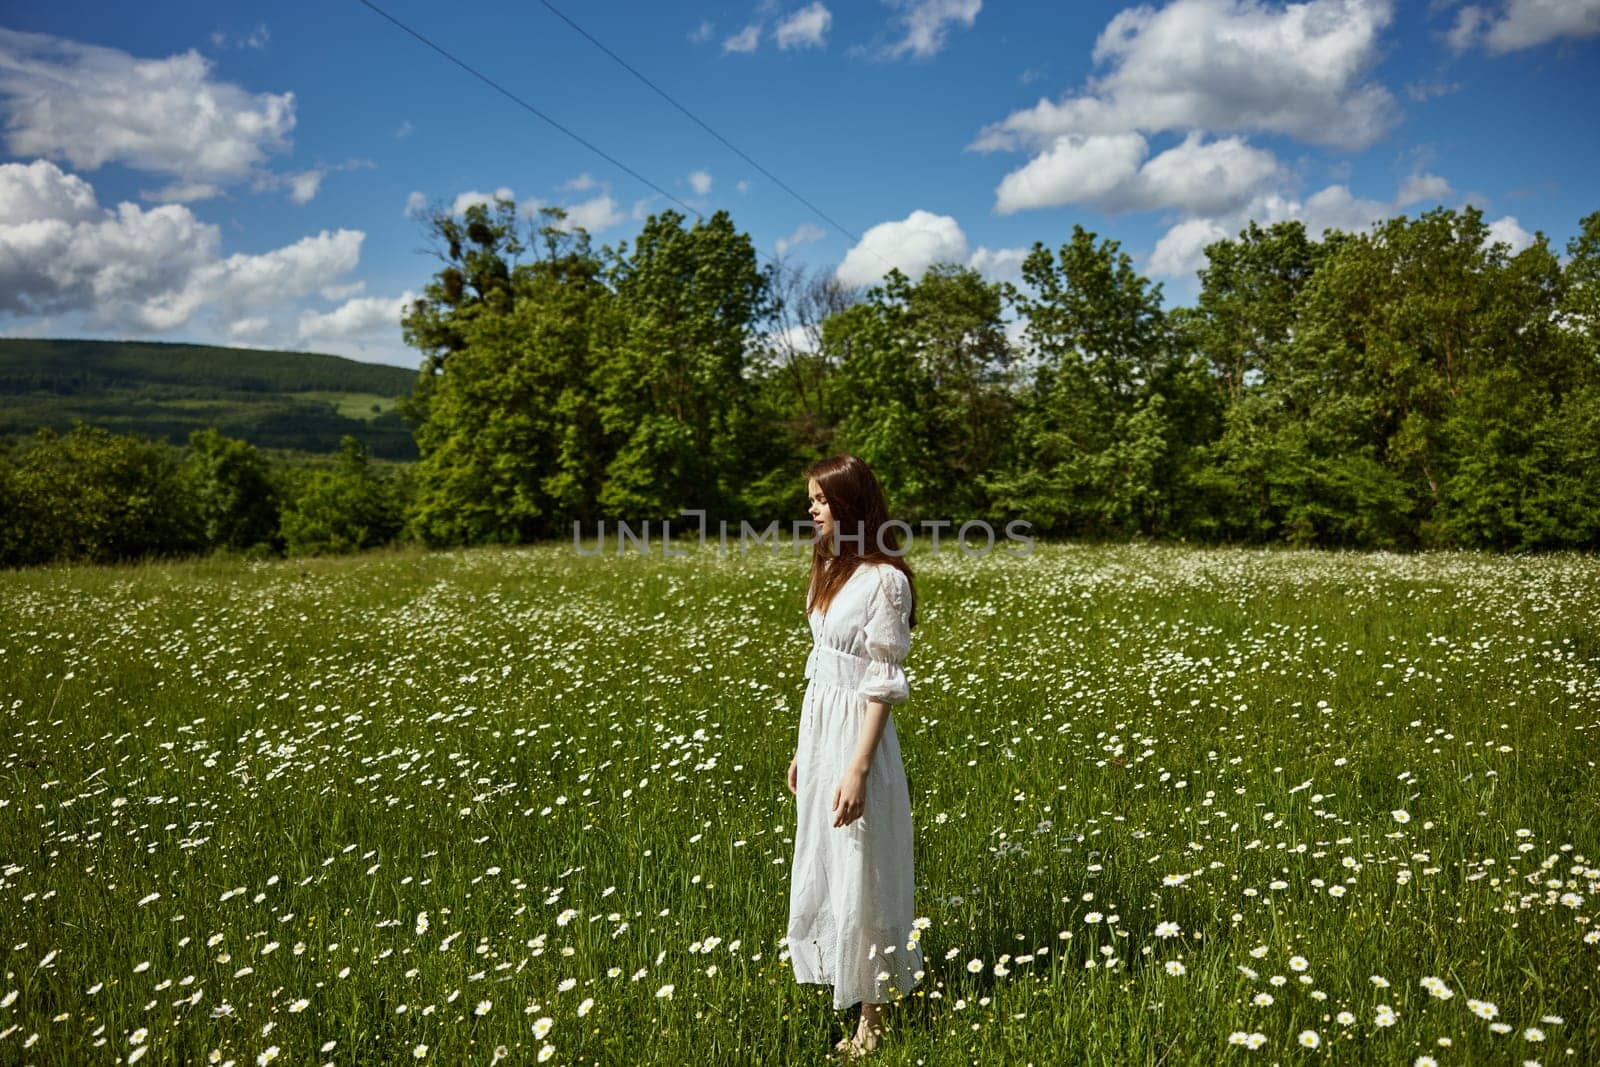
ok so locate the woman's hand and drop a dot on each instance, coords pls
(850, 798)
(794, 775)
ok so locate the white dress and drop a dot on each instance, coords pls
(851, 892)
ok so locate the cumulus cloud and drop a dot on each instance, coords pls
(1109, 172)
(1419, 187)
(999, 264)
(917, 242)
(805, 233)
(89, 106)
(142, 270)
(596, 214)
(1303, 69)
(459, 205)
(925, 24)
(368, 317)
(416, 205)
(1505, 230)
(806, 28)
(41, 192)
(743, 41)
(700, 182)
(912, 244)
(1520, 24)
(1181, 250)
(304, 185)
(181, 193)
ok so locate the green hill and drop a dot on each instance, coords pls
(298, 401)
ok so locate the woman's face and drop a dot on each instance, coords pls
(821, 512)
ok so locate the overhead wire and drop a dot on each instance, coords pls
(602, 153)
(697, 120)
(514, 98)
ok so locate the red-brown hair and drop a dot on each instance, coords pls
(856, 502)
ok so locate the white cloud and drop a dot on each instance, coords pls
(1107, 171)
(1469, 20)
(459, 205)
(1076, 167)
(256, 39)
(1302, 70)
(1422, 92)
(927, 23)
(342, 292)
(912, 244)
(806, 28)
(1524, 24)
(597, 214)
(1000, 264)
(1181, 250)
(40, 191)
(181, 192)
(373, 317)
(404, 130)
(1505, 230)
(142, 270)
(805, 233)
(249, 329)
(61, 252)
(244, 283)
(90, 106)
(703, 32)
(416, 205)
(700, 182)
(1419, 187)
(743, 41)
(304, 185)
(581, 183)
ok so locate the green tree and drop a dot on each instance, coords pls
(1110, 403)
(237, 503)
(97, 496)
(511, 443)
(922, 387)
(345, 509)
(479, 250)
(671, 380)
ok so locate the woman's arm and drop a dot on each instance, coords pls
(850, 796)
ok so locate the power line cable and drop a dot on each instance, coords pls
(602, 153)
(702, 124)
(514, 98)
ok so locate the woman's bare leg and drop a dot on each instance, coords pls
(869, 1031)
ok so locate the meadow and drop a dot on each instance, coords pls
(520, 805)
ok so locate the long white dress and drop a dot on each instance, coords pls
(851, 893)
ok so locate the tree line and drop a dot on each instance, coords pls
(1418, 385)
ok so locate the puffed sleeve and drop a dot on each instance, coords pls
(888, 634)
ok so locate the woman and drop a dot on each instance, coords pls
(850, 898)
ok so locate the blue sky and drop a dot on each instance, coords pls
(252, 174)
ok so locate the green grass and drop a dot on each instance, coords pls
(310, 754)
(362, 407)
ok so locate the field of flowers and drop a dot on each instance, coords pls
(1172, 806)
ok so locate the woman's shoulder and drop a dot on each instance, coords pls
(894, 582)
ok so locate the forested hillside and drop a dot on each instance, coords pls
(296, 401)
